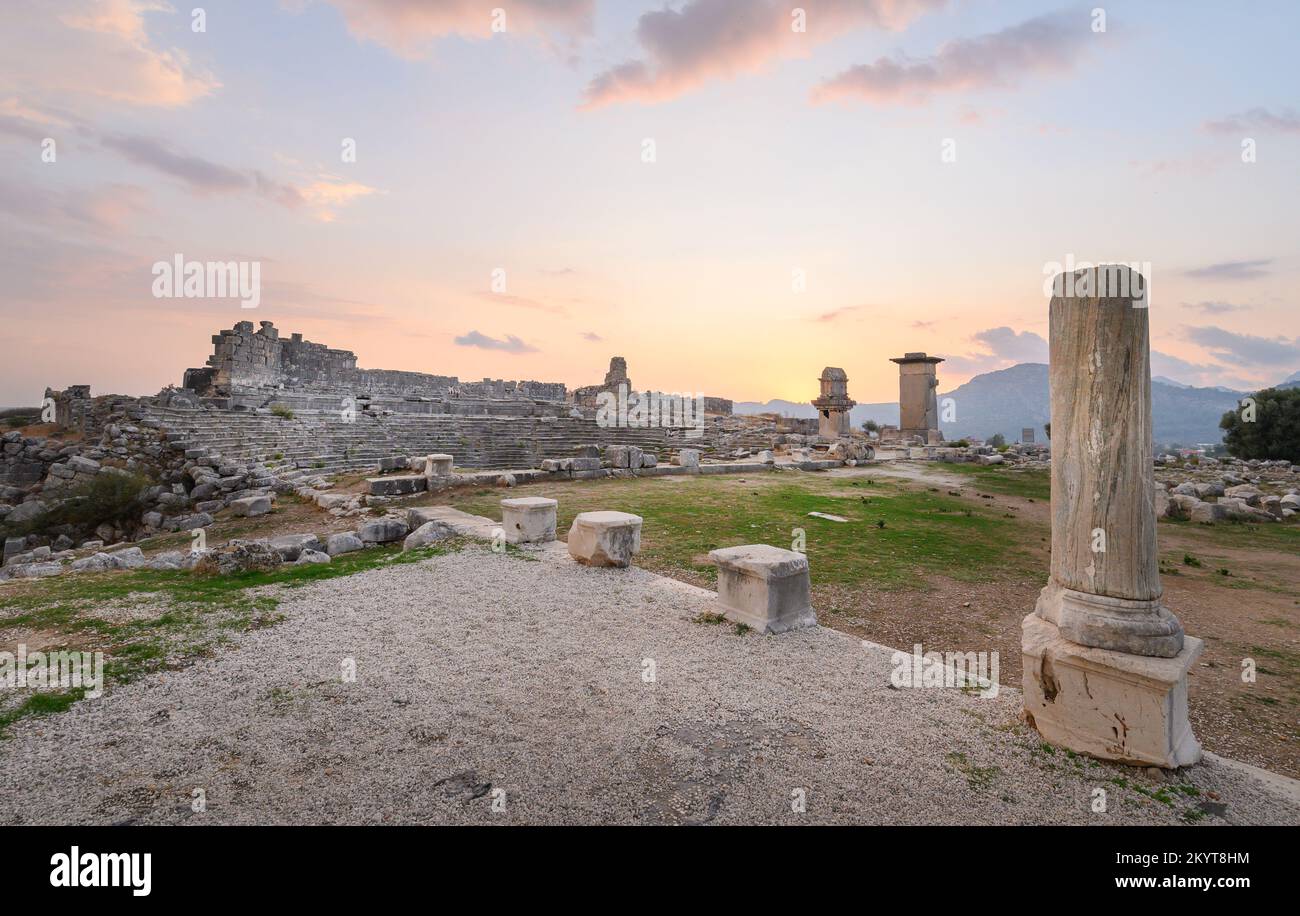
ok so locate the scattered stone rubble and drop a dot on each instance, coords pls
(162, 438)
(189, 486)
(1227, 489)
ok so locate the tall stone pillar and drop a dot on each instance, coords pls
(918, 402)
(834, 404)
(1105, 661)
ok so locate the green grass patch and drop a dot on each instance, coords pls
(197, 614)
(1030, 483)
(704, 617)
(1280, 537)
(894, 535)
(978, 778)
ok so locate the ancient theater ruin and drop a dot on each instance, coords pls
(272, 413)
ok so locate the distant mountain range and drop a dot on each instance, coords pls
(1009, 400)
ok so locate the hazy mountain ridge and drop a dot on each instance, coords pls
(1008, 400)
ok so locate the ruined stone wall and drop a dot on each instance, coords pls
(398, 383)
(242, 356)
(24, 460)
(307, 363)
(70, 405)
(502, 389)
(76, 411)
(248, 366)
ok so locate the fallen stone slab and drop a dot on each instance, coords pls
(1240, 510)
(189, 522)
(83, 465)
(291, 546)
(92, 563)
(130, 558)
(33, 570)
(461, 523)
(396, 486)
(172, 560)
(238, 557)
(345, 542)
(383, 531)
(31, 556)
(335, 500)
(664, 470)
(426, 534)
(25, 512)
(740, 467)
(251, 506)
(818, 465)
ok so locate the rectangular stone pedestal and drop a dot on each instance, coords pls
(438, 465)
(528, 519)
(764, 587)
(605, 538)
(1106, 704)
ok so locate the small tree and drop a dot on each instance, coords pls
(107, 497)
(871, 426)
(1266, 425)
(997, 440)
(1047, 428)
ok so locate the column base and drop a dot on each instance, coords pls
(1106, 704)
(1118, 624)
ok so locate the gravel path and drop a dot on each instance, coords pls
(497, 689)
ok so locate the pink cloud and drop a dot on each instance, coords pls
(1043, 45)
(101, 211)
(407, 26)
(65, 50)
(1285, 121)
(722, 39)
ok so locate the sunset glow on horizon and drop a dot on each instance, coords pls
(893, 178)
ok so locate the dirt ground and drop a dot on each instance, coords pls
(1258, 723)
(1249, 617)
(1253, 614)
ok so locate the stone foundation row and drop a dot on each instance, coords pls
(435, 472)
(762, 587)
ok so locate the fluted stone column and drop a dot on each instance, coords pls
(1105, 585)
(1105, 660)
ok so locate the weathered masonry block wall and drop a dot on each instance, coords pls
(248, 367)
(308, 363)
(76, 410)
(397, 383)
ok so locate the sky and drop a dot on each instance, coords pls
(731, 194)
